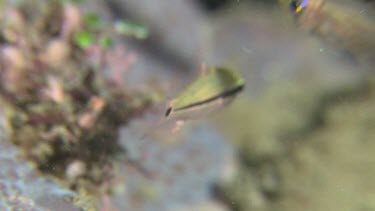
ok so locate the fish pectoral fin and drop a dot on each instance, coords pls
(178, 125)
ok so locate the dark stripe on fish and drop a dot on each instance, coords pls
(224, 95)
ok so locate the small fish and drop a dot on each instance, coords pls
(215, 88)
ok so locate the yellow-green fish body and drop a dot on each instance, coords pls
(210, 91)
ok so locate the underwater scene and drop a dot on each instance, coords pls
(201, 105)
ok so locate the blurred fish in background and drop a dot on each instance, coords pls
(346, 25)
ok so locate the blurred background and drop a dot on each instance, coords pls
(75, 90)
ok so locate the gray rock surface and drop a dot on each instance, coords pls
(21, 188)
(182, 168)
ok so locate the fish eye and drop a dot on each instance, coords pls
(168, 111)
